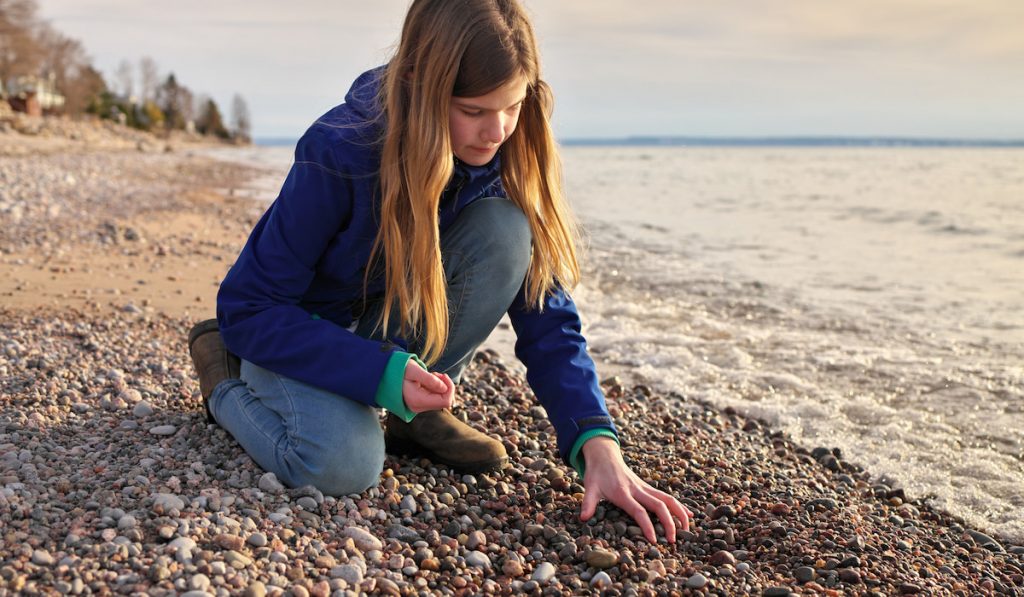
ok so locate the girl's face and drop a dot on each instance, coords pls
(479, 125)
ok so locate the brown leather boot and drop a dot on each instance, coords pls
(444, 439)
(211, 359)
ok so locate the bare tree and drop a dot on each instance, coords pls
(19, 50)
(149, 78)
(186, 105)
(241, 121)
(124, 77)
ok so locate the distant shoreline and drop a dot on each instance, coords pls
(794, 141)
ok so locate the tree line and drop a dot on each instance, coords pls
(138, 95)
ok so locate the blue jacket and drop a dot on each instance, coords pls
(308, 254)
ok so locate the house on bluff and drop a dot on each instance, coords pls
(33, 95)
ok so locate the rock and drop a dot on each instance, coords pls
(544, 572)
(697, 581)
(849, 562)
(408, 503)
(257, 540)
(721, 558)
(512, 568)
(255, 589)
(431, 564)
(237, 560)
(804, 574)
(403, 533)
(199, 582)
(308, 503)
(387, 587)
(142, 409)
(849, 575)
(476, 539)
(600, 558)
(776, 592)
(601, 580)
(163, 503)
(984, 540)
(182, 548)
(227, 541)
(363, 539)
(163, 430)
(350, 573)
(41, 557)
(478, 559)
(723, 511)
(269, 483)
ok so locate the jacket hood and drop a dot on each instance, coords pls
(362, 98)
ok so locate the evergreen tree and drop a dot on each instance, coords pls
(210, 121)
(168, 98)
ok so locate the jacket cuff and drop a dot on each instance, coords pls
(389, 392)
(576, 455)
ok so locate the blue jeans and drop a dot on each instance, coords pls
(309, 436)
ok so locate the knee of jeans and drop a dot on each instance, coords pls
(347, 465)
(503, 233)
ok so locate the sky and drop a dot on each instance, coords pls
(727, 68)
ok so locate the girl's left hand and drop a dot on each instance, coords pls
(607, 477)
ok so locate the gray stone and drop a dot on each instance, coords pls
(403, 533)
(408, 503)
(163, 430)
(257, 540)
(41, 557)
(984, 540)
(143, 409)
(804, 574)
(349, 573)
(478, 559)
(697, 581)
(308, 503)
(269, 483)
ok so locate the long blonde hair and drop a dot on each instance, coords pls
(465, 48)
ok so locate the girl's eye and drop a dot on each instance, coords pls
(471, 112)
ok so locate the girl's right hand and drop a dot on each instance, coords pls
(423, 391)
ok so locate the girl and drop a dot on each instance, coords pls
(416, 214)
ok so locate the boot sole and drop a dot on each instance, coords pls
(404, 447)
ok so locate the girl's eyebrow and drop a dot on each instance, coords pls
(466, 104)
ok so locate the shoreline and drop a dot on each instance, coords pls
(112, 481)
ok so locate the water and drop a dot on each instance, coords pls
(870, 299)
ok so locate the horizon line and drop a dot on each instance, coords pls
(751, 141)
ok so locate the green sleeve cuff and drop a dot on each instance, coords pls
(389, 392)
(576, 455)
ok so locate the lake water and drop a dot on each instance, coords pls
(870, 299)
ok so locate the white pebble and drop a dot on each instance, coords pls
(163, 430)
(544, 572)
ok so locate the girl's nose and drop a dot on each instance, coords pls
(494, 132)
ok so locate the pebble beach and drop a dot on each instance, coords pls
(112, 481)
